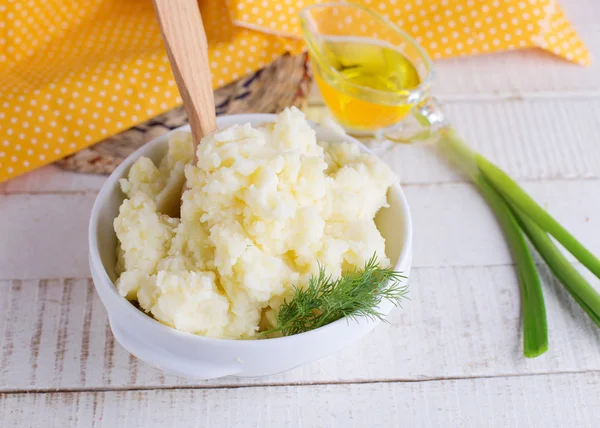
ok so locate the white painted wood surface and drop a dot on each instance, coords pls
(568, 401)
(451, 357)
(57, 336)
(453, 226)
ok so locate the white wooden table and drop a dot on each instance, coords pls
(451, 358)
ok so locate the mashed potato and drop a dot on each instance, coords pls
(264, 207)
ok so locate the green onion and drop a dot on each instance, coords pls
(583, 293)
(517, 196)
(517, 212)
(535, 328)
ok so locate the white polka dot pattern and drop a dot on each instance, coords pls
(444, 27)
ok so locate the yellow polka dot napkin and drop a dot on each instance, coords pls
(444, 28)
(76, 72)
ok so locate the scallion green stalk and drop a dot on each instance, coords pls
(537, 224)
(517, 196)
(583, 293)
(535, 328)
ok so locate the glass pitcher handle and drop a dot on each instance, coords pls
(428, 120)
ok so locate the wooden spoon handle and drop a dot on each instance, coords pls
(183, 33)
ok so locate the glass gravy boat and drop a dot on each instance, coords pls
(370, 73)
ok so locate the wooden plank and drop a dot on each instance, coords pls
(532, 140)
(45, 236)
(51, 178)
(549, 401)
(526, 74)
(460, 322)
(453, 226)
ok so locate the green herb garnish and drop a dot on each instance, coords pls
(355, 294)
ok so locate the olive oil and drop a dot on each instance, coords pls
(365, 83)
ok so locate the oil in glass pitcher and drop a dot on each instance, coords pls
(369, 72)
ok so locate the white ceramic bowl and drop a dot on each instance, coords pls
(199, 357)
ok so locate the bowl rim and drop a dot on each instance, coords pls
(98, 267)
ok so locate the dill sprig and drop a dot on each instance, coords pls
(357, 293)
